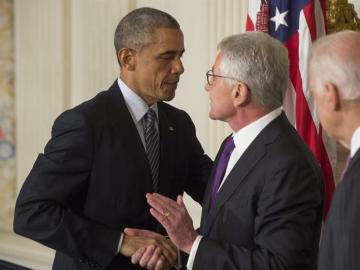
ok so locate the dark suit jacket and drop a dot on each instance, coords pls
(267, 214)
(340, 243)
(91, 181)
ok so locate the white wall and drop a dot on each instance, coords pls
(357, 6)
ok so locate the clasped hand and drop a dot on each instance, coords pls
(148, 249)
(174, 217)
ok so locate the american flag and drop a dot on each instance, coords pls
(297, 23)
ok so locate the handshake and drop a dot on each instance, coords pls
(155, 251)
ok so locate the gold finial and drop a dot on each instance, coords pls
(341, 15)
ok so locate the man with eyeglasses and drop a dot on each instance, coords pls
(263, 204)
(107, 153)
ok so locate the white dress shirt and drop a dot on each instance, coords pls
(355, 142)
(242, 139)
(137, 108)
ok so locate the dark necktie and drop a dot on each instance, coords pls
(152, 145)
(221, 167)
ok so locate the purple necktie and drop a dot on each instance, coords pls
(221, 167)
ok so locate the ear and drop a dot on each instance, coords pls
(127, 59)
(332, 96)
(241, 94)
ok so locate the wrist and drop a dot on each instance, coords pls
(124, 247)
(192, 238)
(119, 244)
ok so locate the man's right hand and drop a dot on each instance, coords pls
(151, 258)
(149, 242)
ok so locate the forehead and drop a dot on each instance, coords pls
(218, 60)
(167, 39)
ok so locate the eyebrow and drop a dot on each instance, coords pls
(172, 52)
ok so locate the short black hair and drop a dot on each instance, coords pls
(136, 29)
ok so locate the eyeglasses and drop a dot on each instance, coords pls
(210, 77)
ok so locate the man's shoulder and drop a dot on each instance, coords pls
(101, 100)
(284, 143)
(280, 132)
(288, 137)
(351, 177)
(175, 117)
(172, 111)
(98, 108)
(356, 162)
(346, 199)
(94, 104)
(169, 108)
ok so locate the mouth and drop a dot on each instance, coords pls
(171, 82)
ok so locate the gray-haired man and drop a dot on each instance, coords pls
(335, 85)
(263, 204)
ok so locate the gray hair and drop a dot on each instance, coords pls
(136, 29)
(261, 62)
(336, 58)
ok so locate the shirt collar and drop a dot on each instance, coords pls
(244, 137)
(135, 104)
(355, 142)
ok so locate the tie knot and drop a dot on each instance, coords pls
(229, 146)
(150, 117)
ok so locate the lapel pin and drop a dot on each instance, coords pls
(171, 128)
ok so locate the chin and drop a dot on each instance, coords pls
(168, 96)
(212, 116)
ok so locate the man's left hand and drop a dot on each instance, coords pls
(175, 218)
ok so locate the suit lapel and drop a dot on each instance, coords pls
(353, 161)
(167, 149)
(247, 162)
(241, 169)
(207, 197)
(124, 126)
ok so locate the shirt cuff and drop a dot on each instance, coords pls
(120, 242)
(193, 251)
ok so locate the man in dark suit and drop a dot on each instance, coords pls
(107, 153)
(266, 212)
(335, 85)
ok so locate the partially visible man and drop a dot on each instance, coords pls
(266, 212)
(335, 86)
(107, 153)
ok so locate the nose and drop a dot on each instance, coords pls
(178, 67)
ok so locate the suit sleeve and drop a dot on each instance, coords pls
(49, 206)
(286, 225)
(199, 164)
